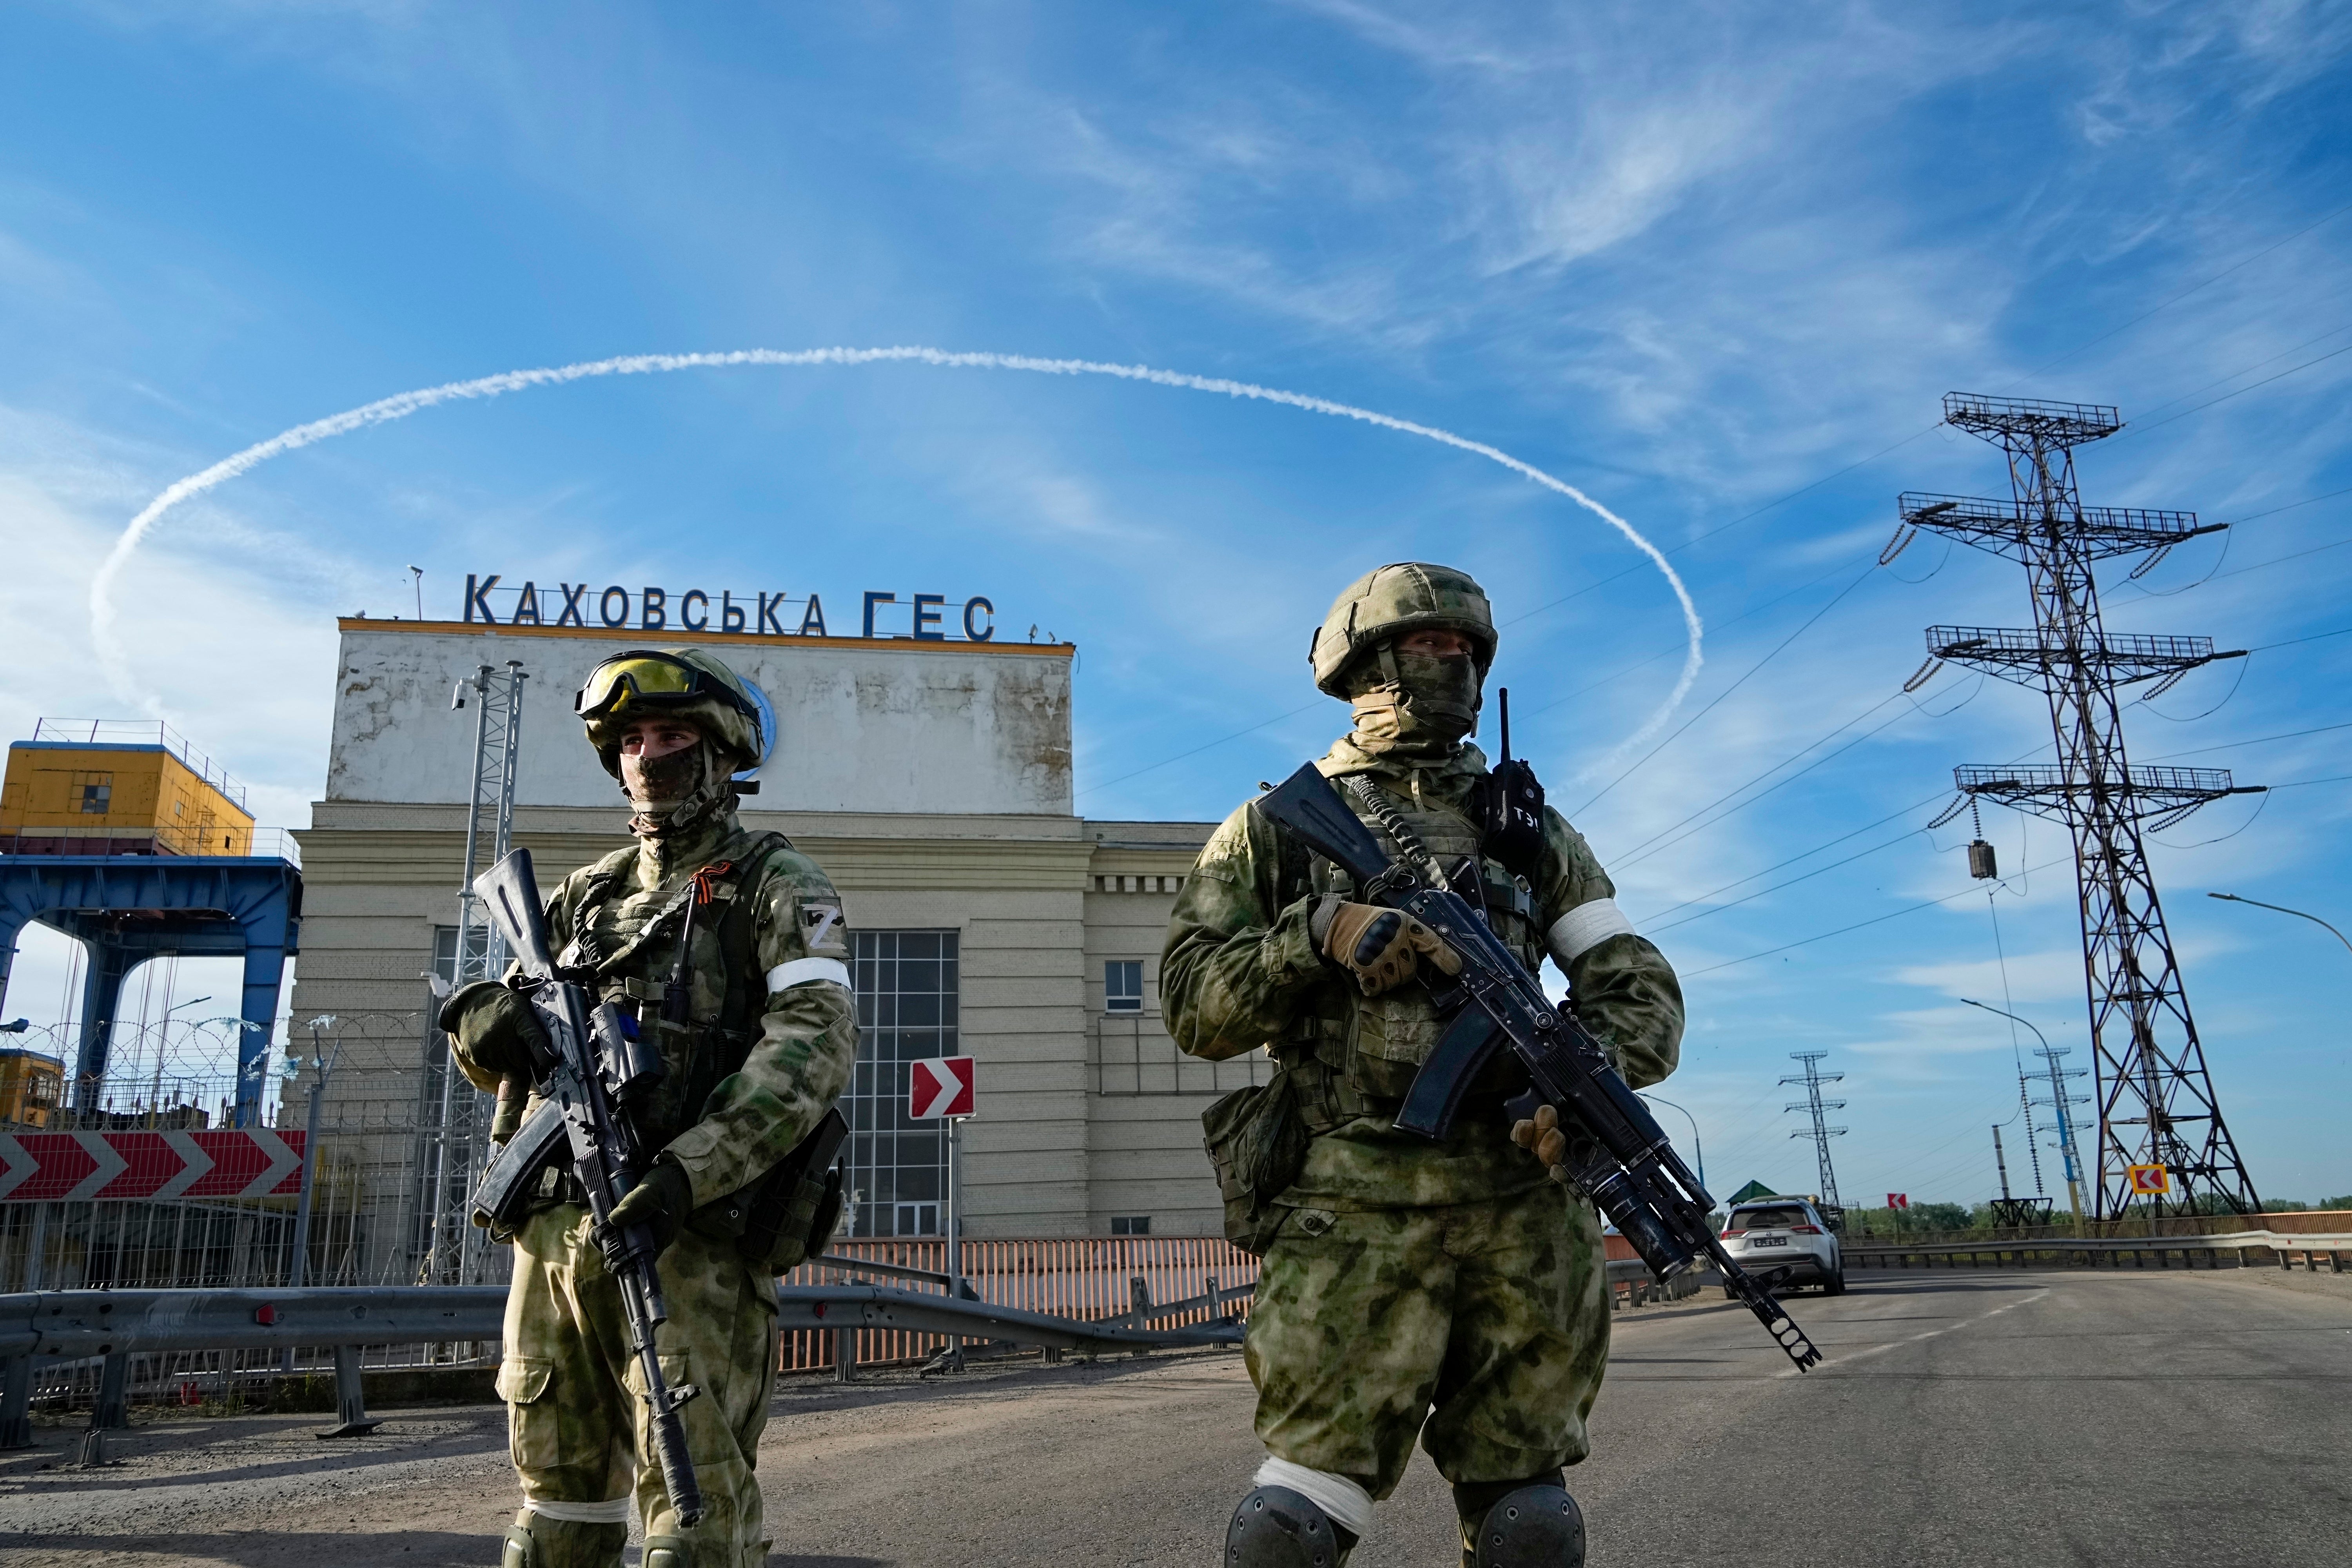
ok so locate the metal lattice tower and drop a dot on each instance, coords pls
(2156, 1099)
(2063, 1101)
(453, 1135)
(1821, 1131)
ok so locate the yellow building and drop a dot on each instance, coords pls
(31, 1086)
(90, 787)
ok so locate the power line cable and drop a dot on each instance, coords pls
(1196, 750)
(2144, 429)
(1875, 920)
(2257, 741)
(1718, 700)
(1644, 850)
(1802, 490)
(1760, 892)
(2246, 369)
(2184, 294)
(1793, 859)
(2316, 636)
(1677, 645)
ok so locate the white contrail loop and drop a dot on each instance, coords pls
(402, 404)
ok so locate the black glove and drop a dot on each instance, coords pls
(492, 1033)
(660, 1202)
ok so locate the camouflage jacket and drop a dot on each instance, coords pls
(1240, 970)
(724, 1128)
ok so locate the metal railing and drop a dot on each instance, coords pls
(220, 840)
(139, 733)
(1088, 1278)
(114, 1336)
(2238, 1246)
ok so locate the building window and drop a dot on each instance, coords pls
(1123, 985)
(445, 951)
(96, 797)
(907, 991)
(1130, 1224)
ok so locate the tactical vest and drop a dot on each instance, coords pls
(632, 949)
(1353, 1055)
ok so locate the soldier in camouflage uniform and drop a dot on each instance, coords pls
(1452, 1290)
(766, 1044)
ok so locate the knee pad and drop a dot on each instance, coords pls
(1536, 1526)
(1277, 1528)
(535, 1540)
(667, 1551)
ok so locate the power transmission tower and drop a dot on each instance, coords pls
(452, 1136)
(2033, 1139)
(1821, 1132)
(2062, 1101)
(2006, 1210)
(2156, 1099)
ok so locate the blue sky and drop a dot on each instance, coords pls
(1714, 265)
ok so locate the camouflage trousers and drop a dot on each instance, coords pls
(1483, 1327)
(577, 1425)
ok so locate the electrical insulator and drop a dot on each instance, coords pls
(1980, 860)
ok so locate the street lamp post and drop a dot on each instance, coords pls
(321, 1064)
(1697, 1152)
(2058, 1098)
(2234, 898)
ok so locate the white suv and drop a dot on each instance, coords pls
(1786, 1233)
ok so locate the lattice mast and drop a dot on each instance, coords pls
(2155, 1096)
(2063, 1100)
(457, 1116)
(1817, 1109)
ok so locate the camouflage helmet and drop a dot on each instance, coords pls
(677, 682)
(1390, 601)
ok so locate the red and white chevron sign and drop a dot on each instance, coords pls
(940, 1087)
(245, 1162)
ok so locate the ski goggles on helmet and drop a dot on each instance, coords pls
(646, 677)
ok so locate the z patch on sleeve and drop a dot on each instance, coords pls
(822, 929)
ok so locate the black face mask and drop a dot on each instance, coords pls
(665, 781)
(680, 789)
(1427, 711)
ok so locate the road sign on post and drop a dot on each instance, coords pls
(2149, 1181)
(1898, 1200)
(940, 1087)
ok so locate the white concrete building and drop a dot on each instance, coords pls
(931, 780)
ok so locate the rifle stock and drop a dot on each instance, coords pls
(602, 1149)
(1620, 1157)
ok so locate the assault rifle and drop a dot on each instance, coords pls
(593, 1068)
(1617, 1153)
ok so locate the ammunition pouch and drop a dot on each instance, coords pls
(789, 1214)
(1257, 1145)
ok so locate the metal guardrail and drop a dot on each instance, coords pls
(880, 1307)
(114, 1325)
(2111, 1251)
(1639, 1287)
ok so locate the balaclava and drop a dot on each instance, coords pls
(680, 789)
(1415, 706)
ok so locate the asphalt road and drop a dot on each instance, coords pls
(1960, 1420)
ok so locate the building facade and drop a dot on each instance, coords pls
(932, 781)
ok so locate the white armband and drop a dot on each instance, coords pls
(808, 971)
(1584, 928)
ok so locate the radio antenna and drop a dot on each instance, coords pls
(1503, 699)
